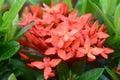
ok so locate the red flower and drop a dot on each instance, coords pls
(64, 34)
(46, 65)
(60, 34)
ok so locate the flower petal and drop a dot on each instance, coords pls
(60, 43)
(50, 51)
(82, 50)
(38, 64)
(54, 62)
(24, 56)
(102, 28)
(79, 54)
(73, 32)
(30, 65)
(102, 35)
(97, 51)
(28, 36)
(91, 57)
(93, 39)
(93, 28)
(86, 18)
(104, 55)
(46, 8)
(67, 43)
(62, 54)
(87, 43)
(108, 50)
(69, 55)
(75, 44)
(27, 44)
(65, 38)
(82, 41)
(46, 60)
(42, 42)
(73, 14)
(47, 71)
(100, 42)
(55, 39)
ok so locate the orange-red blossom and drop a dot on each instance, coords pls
(62, 34)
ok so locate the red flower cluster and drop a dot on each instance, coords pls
(61, 34)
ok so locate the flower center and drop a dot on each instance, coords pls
(46, 64)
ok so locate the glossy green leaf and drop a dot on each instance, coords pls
(8, 49)
(12, 77)
(111, 73)
(117, 19)
(108, 6)
(62, 71)
(1, 4)
(9, 17)
(93, 74)
(28, 73)
(22, 31)
(69, 3)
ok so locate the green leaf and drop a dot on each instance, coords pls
(103, 77)
(56, 1)
(93, 74)
(111, 73)
(12, 77)
(1, 19)
(9, 17)
(48, 2)
(22, 31)
(1, 4)
(112, 6)
(8, 49)
(34, 2)
(63, 71)
(117, 19)
(80, 67)
(69, 3)
(108, 6)
(28, 73)
(13, 28)
(104, 16)
(72, 76)
(104, 5)
(81, 6)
